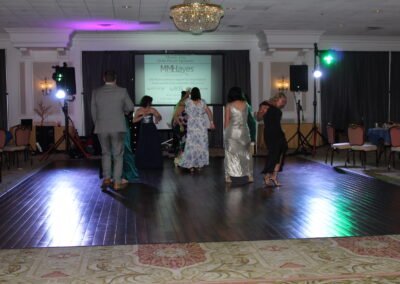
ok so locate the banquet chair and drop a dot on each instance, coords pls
(331, 132)
(21, 140)
(356, 134)
(2, 144)
(394, 133)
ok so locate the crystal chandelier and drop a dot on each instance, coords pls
(196, 16)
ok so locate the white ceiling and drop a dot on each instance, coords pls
(336, 17)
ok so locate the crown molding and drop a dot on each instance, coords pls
(4, 36)
(360, 43)
(4, 40)
(168, 36)
(39, 37)
(162, 41)
(297, 39)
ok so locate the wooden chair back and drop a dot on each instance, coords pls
(356, 134)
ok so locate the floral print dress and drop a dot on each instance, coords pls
(195, 154)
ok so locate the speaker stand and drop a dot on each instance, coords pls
(303, 147)
(66, 137)
(314, 130)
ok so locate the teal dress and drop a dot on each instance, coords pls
(129, 172)
(251, 123)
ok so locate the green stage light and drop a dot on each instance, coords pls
(328, 59)
(65, 78)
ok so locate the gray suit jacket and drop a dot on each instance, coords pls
(108, 105)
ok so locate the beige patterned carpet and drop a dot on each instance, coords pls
(328, 260)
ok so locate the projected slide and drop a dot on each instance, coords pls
(164, 76)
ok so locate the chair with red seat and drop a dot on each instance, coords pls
(394, 133)
(334, 147)
(356, 134)
(21, 140)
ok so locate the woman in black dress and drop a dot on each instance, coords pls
(274, 137)
(148, 150)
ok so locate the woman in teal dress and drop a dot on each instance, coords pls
(129, 172)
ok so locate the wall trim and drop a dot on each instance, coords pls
(39, 37)
(360, 43)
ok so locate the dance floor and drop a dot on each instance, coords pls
(63, 205)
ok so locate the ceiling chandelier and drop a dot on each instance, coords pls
(196, 16)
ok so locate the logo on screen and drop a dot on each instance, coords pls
(176, 69)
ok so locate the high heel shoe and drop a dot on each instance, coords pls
(275, 181)
(267, 182)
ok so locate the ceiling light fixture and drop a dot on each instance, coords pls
(126, 7)
(196, 16)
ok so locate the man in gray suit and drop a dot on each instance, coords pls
(108, 105)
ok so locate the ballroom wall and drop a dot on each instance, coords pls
(269, 59)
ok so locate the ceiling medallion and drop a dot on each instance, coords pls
(196, 16)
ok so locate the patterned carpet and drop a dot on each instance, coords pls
(328, 260)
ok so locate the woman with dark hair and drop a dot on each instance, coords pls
(274, 137)
(148, 150)
(195, 155)
(238, 158)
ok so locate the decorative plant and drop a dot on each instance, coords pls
(43, 111)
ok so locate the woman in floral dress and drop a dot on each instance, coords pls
(195, 155)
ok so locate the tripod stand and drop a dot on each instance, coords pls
(66, 137)
(302, 142)
(314, 130)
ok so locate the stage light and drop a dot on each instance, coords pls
(64, 77)
(59, 77)
(60, 94)
(329, 57)
(317, 73)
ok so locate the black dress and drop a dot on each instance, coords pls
(148, 150)
(274, 138)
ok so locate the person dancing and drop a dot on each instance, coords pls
(129, 170)
(148, 151)
(179, 130)
(238, 158)
(195, 155)
(274, 137)
(109, 103)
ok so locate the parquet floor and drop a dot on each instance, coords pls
(63, 205)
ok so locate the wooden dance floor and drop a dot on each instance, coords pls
(63, 205)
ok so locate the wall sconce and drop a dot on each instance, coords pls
(282, 85)
(46, 87)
